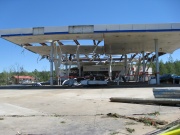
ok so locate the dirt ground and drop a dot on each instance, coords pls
(77, 112)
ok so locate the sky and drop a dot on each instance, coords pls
(42, 13)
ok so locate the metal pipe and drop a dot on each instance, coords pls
(146, 101)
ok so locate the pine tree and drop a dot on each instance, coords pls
(170, 66)
(162, 68)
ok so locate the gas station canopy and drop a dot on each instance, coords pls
(118, 39)
(109, 40)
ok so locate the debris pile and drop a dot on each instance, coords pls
(145, 120)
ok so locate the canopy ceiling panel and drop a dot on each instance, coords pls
(49, 38)
(69, 49)
(124, 43)
(118, 39)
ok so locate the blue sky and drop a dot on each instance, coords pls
(35, 13)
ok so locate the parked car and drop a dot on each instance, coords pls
(36, 84)
(48, 82)
(170, 78)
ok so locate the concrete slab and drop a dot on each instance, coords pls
(10, 109)
(76, 111)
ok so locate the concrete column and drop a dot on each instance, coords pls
(51, 63)
(157, 61)
(143, 67)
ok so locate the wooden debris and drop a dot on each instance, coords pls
(154, 114)
(170, 125)
(145, 120)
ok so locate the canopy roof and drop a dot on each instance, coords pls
(118, 39)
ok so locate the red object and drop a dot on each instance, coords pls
(24, 77)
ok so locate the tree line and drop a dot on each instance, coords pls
(6, 76)
(169, 67)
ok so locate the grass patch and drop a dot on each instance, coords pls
(63, 122)
(145, 120)
(130, 130)
(154, 114)
(130, 123)
(114, 133)
(56, 115)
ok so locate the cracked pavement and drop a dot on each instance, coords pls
(75, 111)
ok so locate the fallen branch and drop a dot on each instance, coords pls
(155, 113)
(145, 120)
(170, 125)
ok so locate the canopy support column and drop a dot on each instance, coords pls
(143, 67)
(67, 76)
(56, 64)
(125, 65)
(78, 62)
(110, 68)
(157, 61)
(59, 64)
(51, 63)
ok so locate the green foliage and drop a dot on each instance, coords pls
(130, 130)
(114, 133)
(3, 78)
(170, 67)
(162, 68)
(177, 67)
(6, 76)
(153, 65)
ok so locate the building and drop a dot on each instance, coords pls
(17, 79)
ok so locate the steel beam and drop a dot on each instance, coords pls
(60, 43)
(77, 43)
(43, 44)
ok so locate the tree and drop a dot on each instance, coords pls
(170, 66)
(153, 65)
(3, 78)
(162, 68)
(44, 76)
(177, 67)
(36, 75)
(40, 75)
